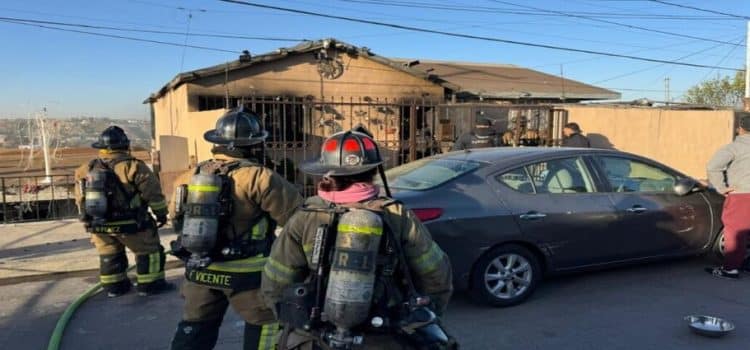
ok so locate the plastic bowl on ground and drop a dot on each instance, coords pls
(709, 326)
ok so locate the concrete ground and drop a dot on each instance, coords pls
(638, 307)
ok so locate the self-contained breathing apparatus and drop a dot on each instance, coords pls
(356, 259)
(106, 204)
(203, 211)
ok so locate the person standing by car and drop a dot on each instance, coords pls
(729, 173)
(573, 137)
(226, 210)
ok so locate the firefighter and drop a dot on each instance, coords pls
(483, 135)
(114, 194)
(351, 268)
(226, 212)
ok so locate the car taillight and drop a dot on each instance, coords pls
(427, 214)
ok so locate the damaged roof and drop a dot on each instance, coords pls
(506, 81)
(302, 48)
(498, 81)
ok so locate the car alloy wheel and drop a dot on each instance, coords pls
(505, 275)
(508, 276)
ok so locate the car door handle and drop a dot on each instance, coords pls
(532, 216)
(636, 209)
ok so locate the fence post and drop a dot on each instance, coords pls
(36, 196)
(412, 132)
(5, 210)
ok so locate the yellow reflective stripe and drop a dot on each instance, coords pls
(253, 264)
(278, 272)
(430, 260)
(367, 230)
(119, 223)
(260, 229)
(154, 269)
(307, 248)
(109, 279)
(158, 205)
(150, 277)
(154, 260)
(203, 188)
(268, 335)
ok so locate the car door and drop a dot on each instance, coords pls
(652, 219)
(556, 205)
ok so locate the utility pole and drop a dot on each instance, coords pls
(666, 90)
(45, 146)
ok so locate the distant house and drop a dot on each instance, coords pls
(306, 92)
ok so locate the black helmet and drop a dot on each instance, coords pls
(111, 138)
(238, 127)
(345, 153)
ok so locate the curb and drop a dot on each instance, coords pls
(169, 265)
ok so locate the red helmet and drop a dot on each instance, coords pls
(345, 153)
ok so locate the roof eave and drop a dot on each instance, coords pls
(604, 95)
(301, 48)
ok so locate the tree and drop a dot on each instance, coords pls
(720, 91)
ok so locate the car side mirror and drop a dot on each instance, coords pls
(686, 185)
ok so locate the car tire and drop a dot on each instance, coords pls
(492, 283)
(718, 248)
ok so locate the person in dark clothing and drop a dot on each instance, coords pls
(573, 137)
(483, 135)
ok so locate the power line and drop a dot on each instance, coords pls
(470, 36)
(721, 61)
(700, 9)
(119, 37)
(659, 65)
(483, 9)
(136, 30)
(615, 23)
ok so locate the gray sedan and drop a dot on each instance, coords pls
(509, 216)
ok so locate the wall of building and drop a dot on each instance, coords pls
(298, 76)
(177, 113)
(682, 139)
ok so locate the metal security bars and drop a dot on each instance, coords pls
(404, 129)
(31, 198)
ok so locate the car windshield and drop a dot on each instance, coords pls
(428, 173)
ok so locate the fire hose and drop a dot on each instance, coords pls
(57, 334)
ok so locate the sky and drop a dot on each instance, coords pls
(75, 74)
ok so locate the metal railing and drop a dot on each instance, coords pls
(31, 198)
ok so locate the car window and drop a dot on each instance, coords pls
(628, 175)
(566, 175)
(428, 173)
(517, 179)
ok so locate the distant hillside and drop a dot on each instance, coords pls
(74, 132)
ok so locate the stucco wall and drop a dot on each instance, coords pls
(298, 76)
(682, 139)
(176, 113)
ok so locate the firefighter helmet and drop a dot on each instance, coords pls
(238, 127)
(345, 153)
(112, 138)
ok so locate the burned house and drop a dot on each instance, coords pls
(307, 92)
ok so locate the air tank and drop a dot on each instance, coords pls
(95, 194)
(352, 276)
(201, 225)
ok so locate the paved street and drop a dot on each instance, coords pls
(631, 308)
